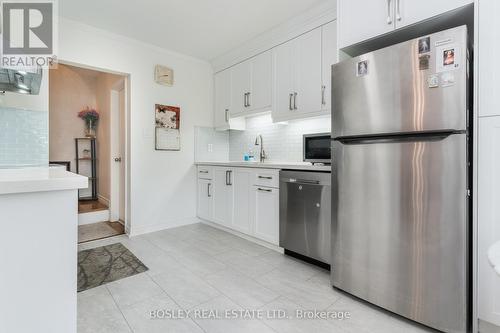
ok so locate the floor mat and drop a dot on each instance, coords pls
(106, 264)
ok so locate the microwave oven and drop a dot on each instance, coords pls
(317, 148)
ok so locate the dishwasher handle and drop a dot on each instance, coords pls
(302, 181)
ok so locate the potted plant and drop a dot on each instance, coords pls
(90, 116)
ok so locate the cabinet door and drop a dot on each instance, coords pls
(260, 96)
(222, 99)
(222, 197)
(241, 181)
(205, 199)
(283, 69)
(329, 57)
(360, 20)
(410, 11)
(265, 203)
(240, 82)
(488, 217)
(307, 78)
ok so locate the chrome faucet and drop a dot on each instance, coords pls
(260, 142)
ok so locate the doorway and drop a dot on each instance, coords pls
(92, 147)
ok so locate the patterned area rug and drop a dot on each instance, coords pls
(106, 264)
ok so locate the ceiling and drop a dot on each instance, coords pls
(201, 28)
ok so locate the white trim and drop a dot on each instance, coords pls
(307, 21)
(93, 217)
(161, 226)
(244, 236)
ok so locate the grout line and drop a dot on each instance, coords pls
(118, 307)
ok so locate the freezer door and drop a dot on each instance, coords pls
(399, 227)
(402, 88)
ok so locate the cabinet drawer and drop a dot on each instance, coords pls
(205, 172)
(267, 178)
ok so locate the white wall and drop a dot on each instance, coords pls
(162, 184)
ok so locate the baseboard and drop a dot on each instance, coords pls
(485, 327)
(103, 200)
(244, 236)
(93, 217)
(141, 230)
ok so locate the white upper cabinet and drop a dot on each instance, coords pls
(222, 107)
(409, 11)
(360, 20)
(251, 84)
(363, 19)
(298, 77)
(329, 57)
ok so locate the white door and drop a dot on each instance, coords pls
(222, 197)
(260, 97)
(265, 203)
(410, 11)
(359, 20)
(240, 87)
(329, 57)
(241, 181)
(488, 217)
(117, 155)
(283, 73)
(205, 199)
(308, 74)
(222, 99)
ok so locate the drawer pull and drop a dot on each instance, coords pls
(265, 177)
(264, 190)
(204, 171)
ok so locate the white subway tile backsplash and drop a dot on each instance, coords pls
(282, 141)
(23, 138)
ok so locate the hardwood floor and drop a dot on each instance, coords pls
(90, 206)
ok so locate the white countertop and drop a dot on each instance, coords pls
(271, 165)
(26, 180)
(494, 256)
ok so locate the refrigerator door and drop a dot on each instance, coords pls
(402, 88)
(399, 226)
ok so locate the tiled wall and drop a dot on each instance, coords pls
(211, 145)
(23, 138)
(282, 141)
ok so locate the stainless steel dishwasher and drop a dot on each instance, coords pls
(305, 213)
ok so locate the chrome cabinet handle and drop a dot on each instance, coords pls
(295, 101)
(245, 100)
(203, 171)
(290, 102)
(229, 182)
(263, 190)
(226, 115)
(230, 178)
(389, 16)
(398, 11)
(265, 177)
(208, 190)
(248, 100)
(323, 88)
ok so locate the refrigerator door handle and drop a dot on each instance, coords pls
(395, 138)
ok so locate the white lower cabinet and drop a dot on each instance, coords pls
(205, 201)
(265, 204)
(222, 197)
(242, 199)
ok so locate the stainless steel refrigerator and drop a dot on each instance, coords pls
(400, 190)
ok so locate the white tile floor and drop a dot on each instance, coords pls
(197, 267)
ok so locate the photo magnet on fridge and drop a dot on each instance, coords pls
(424, 45)
(362, 68)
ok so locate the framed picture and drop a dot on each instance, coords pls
(167, 129)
